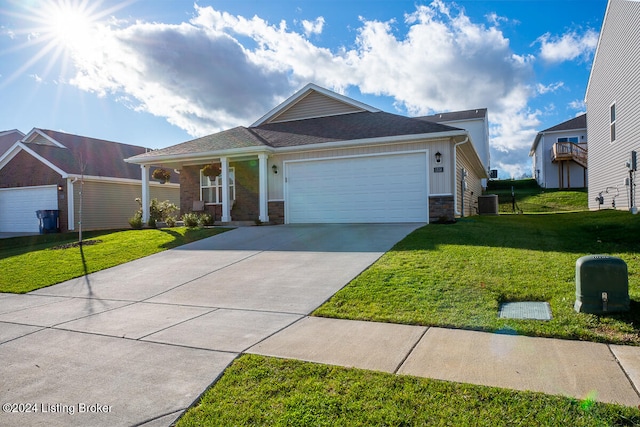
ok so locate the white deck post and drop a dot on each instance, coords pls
(263, 188)
(226, 208)
(145, 193)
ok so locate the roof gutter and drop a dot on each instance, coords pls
(455, 163)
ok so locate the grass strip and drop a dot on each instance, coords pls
(34, 262)
(258, 390)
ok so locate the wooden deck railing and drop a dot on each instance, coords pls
(569, 151)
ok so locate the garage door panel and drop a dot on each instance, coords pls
(18, 207)
(389, 188)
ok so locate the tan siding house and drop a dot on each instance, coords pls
(320, 157)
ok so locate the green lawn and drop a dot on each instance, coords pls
(530, 198)
(457, 275)
(257, 390)
(29, 263)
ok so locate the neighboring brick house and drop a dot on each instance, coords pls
(320, 157)
(48, 170)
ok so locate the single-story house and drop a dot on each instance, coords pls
(560, 155)
(85, 179)
(476, 122)
(321, 157)
(613, 110)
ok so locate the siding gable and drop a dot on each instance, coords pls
(313, 105)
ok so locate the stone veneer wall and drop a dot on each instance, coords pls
(276, 212)
(441, 207)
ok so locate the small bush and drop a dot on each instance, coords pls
(190, 219)
(205, 219)
(171, 221)
(136, 221)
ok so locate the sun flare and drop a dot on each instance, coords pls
(70, 25)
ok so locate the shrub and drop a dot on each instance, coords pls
(136, 221)
(190, 219)
(205, 219)
(171, 221)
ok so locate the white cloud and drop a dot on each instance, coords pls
(542, 89)
(578, 104)
(219, 70)
(568, 47)
(313, 27)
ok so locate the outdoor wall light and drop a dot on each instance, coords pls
(60, 188)
(438, 157)
(274, 168)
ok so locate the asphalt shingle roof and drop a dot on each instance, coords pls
(579, 122)
(477, 113)
(8, 138)
(346, 127)
(102, 158)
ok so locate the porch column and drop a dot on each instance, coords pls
(263, 188)
(145, 193)
(226, 208)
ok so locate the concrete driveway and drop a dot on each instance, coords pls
(138, 343)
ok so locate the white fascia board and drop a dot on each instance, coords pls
(44, 135)
(19, 146)
(190, 157)
(303, 92)
(374, 141)
(121, 180)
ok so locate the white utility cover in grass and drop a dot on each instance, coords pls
(18, 207)
(365, 189)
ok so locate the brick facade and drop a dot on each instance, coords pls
(26, 171)
(441, 207)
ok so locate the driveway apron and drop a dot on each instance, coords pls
(138, 343)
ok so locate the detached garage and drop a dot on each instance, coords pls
(18, 207)
(320, 157)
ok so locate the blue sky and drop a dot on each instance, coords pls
(160, 72)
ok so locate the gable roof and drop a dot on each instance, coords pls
(478, 113)
(313, 101)
(579, 122)
(8, 138)
(346, 127)
(576, 123)
(68, 154)
(282, 135)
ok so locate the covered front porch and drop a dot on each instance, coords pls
(237, 191)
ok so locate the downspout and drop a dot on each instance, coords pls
(455, 174)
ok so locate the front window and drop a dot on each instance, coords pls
(211, 188)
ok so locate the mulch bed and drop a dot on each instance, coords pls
(77, 244)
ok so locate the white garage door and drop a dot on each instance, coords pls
(382, 188)
(18, 207)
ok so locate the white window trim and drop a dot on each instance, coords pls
(216, 187)
(612, 123)
(577, 139)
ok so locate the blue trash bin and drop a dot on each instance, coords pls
(48, 220)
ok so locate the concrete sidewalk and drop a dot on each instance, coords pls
(583, 370)
(138, 343)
